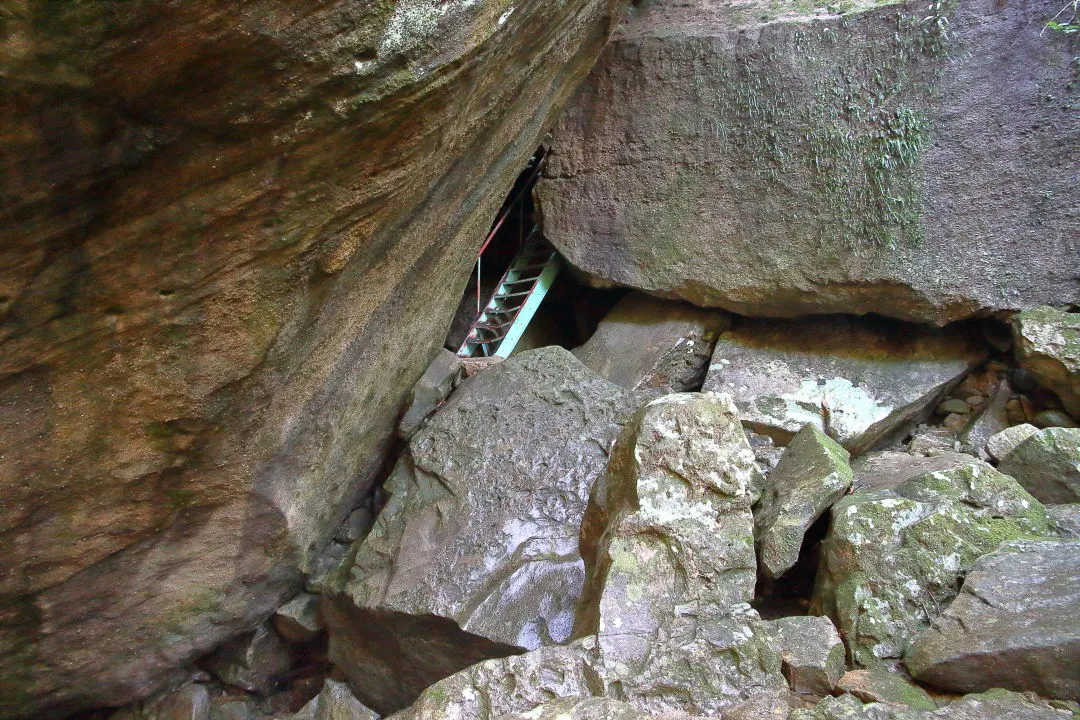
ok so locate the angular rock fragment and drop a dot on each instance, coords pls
(881, 686)
(188, 702)
(765, 706)
(652, 344)
(932, 440)
(814, 657)
(892, 559)
(1014, 625)
(887, 470)
(335, 702)
(1047, 464)
(1047, 344)
(597, 708)
(1065, 519)
(813, 473)
(434, 386)
(253, 661)
(987, 422)
(859, 381)
(476, 552)
(299, 620)
(999, 445)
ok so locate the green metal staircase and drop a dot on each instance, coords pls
(519, 293)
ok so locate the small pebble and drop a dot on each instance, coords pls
(1024, 380)
(1053, 418)
(955, 422)
(954, 405)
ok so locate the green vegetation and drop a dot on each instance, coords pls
(1071, 24)
(861, 140)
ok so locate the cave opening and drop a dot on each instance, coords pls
(521, 294)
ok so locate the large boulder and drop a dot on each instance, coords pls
(674, 503)
(858, 380)
(813, 473)
(1047, 344)
(476, 552)
(893, 559)
(669, 550)
(771, 160)
(648, 343)
(232, 236)
(1014, 625)
(1047, 464)
(669, 547)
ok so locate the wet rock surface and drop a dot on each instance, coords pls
(858, 381)
(712, 155)
(1047, 344)
(813, 473)
(893, 559)
(648, 343)
(1047, 464)
(478, 543)
(1014, 625)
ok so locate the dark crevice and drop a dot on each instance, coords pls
(790, 593)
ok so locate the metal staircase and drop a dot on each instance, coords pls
(515, 300)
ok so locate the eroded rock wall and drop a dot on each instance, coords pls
(916, 160)
(231, 237)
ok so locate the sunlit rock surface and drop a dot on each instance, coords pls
(481, 528)
(858, 380)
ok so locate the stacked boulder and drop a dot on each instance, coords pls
(554, 544)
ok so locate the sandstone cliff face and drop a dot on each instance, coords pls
(231, 236)
(916, 160)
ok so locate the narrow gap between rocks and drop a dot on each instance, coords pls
(565, 311)
(790, 593)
